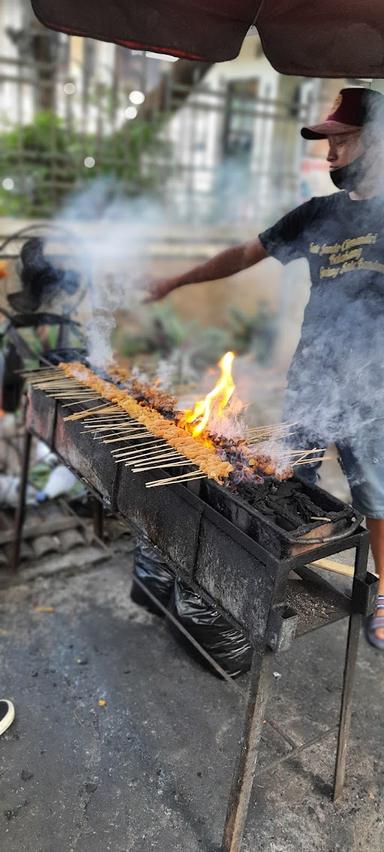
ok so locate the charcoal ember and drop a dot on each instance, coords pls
(224, 643)
(286, 502)
(154, 573)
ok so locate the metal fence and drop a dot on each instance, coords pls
(211, 154)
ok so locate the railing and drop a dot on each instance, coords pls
(210, 154)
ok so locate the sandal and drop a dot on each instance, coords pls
(375, 622)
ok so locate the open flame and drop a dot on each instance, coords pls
(213, 405)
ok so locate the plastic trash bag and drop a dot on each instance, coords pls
(155, 574)
(9, 492)
(60, 481)
(224, 643)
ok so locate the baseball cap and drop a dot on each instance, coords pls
(353, 108)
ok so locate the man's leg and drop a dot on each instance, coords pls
(376, 529)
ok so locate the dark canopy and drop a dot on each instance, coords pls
(320, 38)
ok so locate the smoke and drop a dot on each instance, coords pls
(112, 236)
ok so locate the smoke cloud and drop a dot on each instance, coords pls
(113, 233)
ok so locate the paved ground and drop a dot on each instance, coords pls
(150, 768)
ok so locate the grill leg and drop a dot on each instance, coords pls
(20, 510)
(349, 675)
(346, 703)
(98, 517)
(243, 778)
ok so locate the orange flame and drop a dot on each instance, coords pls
(215, 401)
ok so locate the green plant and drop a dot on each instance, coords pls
(45, 160)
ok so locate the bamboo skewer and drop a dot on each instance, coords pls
(274, 427)
(90, 411)
(118, 451)
(158, 460)
(40, 373)
(126, 438)
(80, 401)
(116, 430)
(101, 435)
(311, 461)
(78, 397)
(319, 518)
(53, 385)
(37, 370)
(264, 439)
(67, 392)
(175, 479)
(302, 452)
(133, 460)
(157, 457)
(92, 426)
(99, 421)
(98, 431)
(146, 452)
(161, 466)
(110, 418)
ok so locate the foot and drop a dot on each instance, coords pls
(7, 714)
(375, 625)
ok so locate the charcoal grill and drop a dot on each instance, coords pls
(234, 557)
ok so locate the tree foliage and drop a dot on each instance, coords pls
(45, 160)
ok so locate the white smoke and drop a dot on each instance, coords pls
(113, 233)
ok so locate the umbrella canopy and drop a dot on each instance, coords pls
(330, 38)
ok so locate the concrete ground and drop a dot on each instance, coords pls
(122, 742)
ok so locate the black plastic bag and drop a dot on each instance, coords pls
(226, 645)
(155, 574)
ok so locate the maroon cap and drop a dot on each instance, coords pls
(352, 109)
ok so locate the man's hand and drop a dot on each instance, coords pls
(222, 265)
(158, 289)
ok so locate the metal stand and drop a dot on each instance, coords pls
(243, 778)
(20, 510)
(98, 517)
(244, 774)
(349, 673)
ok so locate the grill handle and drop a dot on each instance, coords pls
(329, 539)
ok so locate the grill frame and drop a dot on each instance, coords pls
(255, 602)
(206, 548)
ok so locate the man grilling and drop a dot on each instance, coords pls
(336, 378)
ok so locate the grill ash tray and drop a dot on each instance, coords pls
(315, 601)
(278, 515)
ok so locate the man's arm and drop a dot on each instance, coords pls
(220, 266)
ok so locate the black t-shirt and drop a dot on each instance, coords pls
(339, 362)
